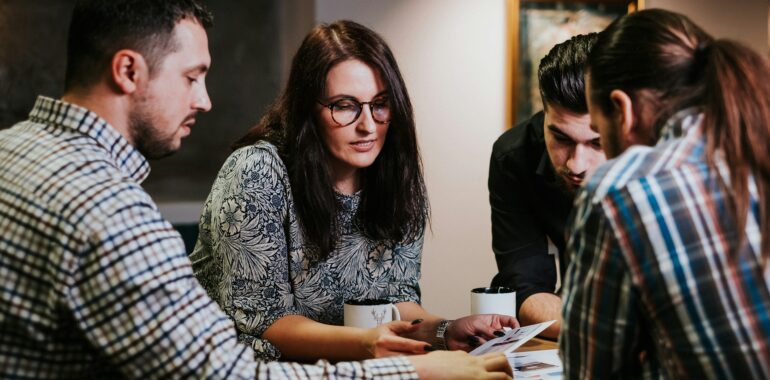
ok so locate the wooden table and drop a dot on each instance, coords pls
(537, 344)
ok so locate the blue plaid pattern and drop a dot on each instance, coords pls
(657, 286)
(95, 283)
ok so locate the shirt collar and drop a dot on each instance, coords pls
(67, 116)
(681, 124)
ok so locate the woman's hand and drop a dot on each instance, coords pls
(469, 332)
(450, 365)
(385, 340)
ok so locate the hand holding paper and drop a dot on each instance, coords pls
(512, 339)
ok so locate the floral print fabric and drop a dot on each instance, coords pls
(252, 258)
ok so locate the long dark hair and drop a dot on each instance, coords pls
(670, 63)
(393, 199)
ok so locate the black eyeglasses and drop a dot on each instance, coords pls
(347, 110)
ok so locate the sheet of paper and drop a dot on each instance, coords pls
(512, 339)
(544, 364)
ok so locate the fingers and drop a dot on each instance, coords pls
(483, 326)
(461, 346)
(498, 376)
(494, 328)
(459, 365)
(488, 332)
(508, 321)
(475, 341)
(497, 362)
(402, 327)
(400, 345)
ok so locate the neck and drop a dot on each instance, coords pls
(346, 182)
(113, 109)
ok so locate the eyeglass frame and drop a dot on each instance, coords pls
(360, 110)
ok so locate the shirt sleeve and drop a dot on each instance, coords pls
(132, 294)
(249, 227)
(599, 336)
(519, 244)
(385, 368)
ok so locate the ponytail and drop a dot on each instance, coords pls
(665, 61)
(737, 123)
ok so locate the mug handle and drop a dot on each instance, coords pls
(396, 314)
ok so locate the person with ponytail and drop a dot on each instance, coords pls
(669, 241)
(324, 202)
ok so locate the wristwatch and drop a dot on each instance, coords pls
(441, 335)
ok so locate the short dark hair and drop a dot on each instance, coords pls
(561, 74)
(100, 28)
(393, 204)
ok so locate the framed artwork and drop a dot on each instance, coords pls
(534, 27)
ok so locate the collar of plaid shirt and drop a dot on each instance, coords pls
(60, 114)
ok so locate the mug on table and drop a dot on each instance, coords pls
(369, 313)
(493, 300)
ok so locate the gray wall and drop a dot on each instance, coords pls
(245, 77)
(742, 20)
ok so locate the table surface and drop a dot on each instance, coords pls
(537, 344)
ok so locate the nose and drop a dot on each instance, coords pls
(578, 160)
(366, 122)
(202, 101)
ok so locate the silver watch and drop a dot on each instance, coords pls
(441, 335)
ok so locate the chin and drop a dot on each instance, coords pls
(361, 164)
(363, 161)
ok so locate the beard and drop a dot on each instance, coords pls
(148, 138)
(565, 187)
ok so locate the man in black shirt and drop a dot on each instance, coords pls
(534, 171)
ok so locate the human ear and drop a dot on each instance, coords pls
(128, 70)
(623, 113)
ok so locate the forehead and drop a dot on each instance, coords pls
(575, 125)
(192, 46)
(354, 78)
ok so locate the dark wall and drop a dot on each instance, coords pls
(244, 79)
(33, 37)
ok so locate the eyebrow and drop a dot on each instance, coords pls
(346, 96)
(199, 69)
(556, 130)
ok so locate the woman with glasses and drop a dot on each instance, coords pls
(324, 202)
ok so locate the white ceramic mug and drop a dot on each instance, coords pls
(367, 314)
(493, 300)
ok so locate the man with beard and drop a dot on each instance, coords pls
(533, 173)
(94, 282)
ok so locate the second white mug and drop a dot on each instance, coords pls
(493, 300)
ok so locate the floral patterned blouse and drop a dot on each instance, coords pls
(253, 260)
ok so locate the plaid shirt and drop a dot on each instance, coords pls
(94, 282)
(653, 290)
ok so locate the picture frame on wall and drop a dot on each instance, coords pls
(534, 27)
